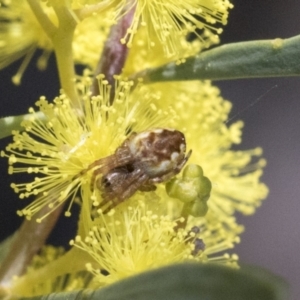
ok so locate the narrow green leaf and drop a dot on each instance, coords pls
(255, 59)
(189, 282)
(8, 124)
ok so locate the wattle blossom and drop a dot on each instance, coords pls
(167, 22)
(67, 140)
(162, 27)
(145, 201)
(138, 237)
(57, 149)
(21, 35)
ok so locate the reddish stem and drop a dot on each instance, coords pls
(28, 241)
(114, 54)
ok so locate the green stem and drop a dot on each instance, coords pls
(42, 18)
(62, 42)
(61, 38)
(65, 64)
(8, 124)
(89, 10)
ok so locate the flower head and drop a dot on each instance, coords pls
(235, 175)
(67, 140)
(155, 227)
(169, 21)
(138, 237)
(21, 35)
(141, 58)
(58, 149)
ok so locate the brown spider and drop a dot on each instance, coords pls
(141, 161)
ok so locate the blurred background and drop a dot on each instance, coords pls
(272, 236)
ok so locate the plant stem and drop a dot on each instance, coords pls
(42, 18)
(69, 263)
(28, 241)
(62, 42)
(89, 10)
(114, 53)
(65, 64)
(61, 37)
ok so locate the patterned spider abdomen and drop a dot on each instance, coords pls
(158, 151)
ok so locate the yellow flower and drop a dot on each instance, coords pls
(138, 237)
(57, 150)
(149, 229)
(54, 150)
(141, 57)
(169, 21)
(235, 175)
(21, 35)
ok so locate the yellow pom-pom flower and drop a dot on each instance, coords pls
(58, 150)
(192, 218)
(169, 21)
(235, 175)
(161, 26)
(129, 240)
(21, 35)
(138, 237)
(58, 147)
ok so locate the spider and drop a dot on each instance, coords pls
(141, 161)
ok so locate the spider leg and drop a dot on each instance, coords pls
(129, 186)
(147, 187)
(105, 164)
(136, 180)
(108, 208)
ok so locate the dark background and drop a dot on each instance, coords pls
(272, 236)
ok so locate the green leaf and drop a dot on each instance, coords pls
(255, 59)
(189, 281)
(8, 124)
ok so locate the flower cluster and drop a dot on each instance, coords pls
(167, 22)
(139, 237)
(68, 140)
(66, 144)
(21, 34)
(58, 147)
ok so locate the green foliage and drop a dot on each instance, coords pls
(267, 58)
(188, 282)
(8, 124)
(255, 59)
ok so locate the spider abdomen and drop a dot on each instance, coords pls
(158, 151)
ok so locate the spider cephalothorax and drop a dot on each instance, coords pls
(141, 161)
